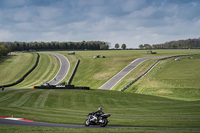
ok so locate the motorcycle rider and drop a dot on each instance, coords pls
(97, 114)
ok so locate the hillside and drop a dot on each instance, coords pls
(15, 67)
(148, 107)
(95, 72)
(172, 79)
(72, 106)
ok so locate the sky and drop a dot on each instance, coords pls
(132, 22)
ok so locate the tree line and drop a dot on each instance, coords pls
(180, 44)
(84, 45)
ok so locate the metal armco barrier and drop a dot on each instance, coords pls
(123, 89)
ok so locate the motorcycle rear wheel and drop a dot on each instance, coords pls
(104, 123)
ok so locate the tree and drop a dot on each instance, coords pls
(116, 45)
(3, 50)
(147, 46)
(123, 46)
(141, 46)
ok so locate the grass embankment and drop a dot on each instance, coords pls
(127, 109)
(95, 72)
(15, 67)
(172, 79)
(72, 106)
(47, 68)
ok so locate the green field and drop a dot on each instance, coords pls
(167, 97)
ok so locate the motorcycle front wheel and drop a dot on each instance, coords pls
(87, 122)
(104, 122)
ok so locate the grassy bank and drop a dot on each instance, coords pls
(13, 68)
(95, 72)
(72, 106)
(172, 79)
(127, 109)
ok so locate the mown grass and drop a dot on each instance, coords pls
(127, 109)
(13, 68)
(72, 107)
(18, 129)
(47, 68)
(172, 79)
(95, 72)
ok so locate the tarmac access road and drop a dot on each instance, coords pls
(64, 68)
(45, 124)
(119, 76)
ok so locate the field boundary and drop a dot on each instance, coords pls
(25, 75)
(132, 82)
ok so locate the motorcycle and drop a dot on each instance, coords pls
(94, 120)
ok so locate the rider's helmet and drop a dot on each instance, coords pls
(100, 108)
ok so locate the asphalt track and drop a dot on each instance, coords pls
(119, 76)
(64, 68)
(44, 124)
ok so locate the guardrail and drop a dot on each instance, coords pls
(72, 76)
(25, 75)
(123, 89)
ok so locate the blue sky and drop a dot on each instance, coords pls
(132, 22)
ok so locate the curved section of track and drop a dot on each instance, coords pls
(64, 68)
(119, 76)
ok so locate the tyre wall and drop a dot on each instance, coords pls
(25, 75)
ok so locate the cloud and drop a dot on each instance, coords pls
(5, 35)
(132, 22)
